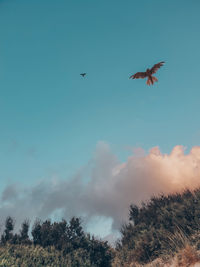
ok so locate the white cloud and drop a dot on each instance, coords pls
(111, 188)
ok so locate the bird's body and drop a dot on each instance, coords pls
(148, 74)
(83, 74)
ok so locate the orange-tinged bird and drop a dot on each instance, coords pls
(148, 73)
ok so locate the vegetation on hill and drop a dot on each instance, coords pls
(164, 229)
(157, 227)
(53, 244)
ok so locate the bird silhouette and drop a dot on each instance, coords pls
(148, 73)
(83, 74)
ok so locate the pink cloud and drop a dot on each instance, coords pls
(112, 186)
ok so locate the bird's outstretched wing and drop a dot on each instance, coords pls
(83, 74)
(138, 75)
(156, 67)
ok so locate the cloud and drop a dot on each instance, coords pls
(106, 187)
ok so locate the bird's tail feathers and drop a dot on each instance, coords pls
(151, 80)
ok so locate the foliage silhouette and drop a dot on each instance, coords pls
(66, 240)
(146, 236)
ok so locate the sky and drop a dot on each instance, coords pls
(54, 123)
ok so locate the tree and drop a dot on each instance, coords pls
(24, 238)
(7, 234)
(36, 232)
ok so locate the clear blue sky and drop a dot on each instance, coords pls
(51, 119)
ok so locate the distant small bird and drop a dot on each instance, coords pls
(83, 74)
(148, 73)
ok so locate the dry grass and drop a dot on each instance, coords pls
(188, 256)
(181, 253)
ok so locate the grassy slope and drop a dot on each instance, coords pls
(161, 228)
(162, 232)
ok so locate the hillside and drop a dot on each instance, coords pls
(161, 228)
(161, 232)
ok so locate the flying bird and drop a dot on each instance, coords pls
(83, 74)
(148, 73)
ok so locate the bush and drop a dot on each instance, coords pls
(151, 225)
